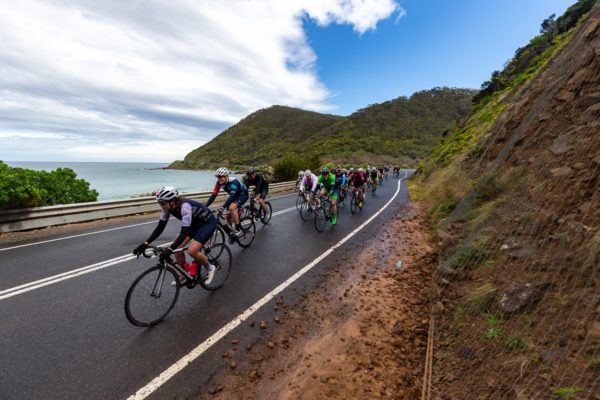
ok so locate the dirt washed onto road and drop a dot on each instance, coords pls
(361, 333)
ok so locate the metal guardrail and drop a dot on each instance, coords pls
(39, 217)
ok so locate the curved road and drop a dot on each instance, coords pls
(63, 332)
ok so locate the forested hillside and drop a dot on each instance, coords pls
(403, 130)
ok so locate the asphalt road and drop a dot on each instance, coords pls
(63, 332)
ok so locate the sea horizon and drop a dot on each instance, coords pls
(121, 180)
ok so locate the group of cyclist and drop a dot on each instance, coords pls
(198, 223)
(332, 184)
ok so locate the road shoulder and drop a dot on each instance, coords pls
(360, 333)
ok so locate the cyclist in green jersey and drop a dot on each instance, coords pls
(327, 183)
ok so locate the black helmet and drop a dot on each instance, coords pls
(325, 170)
(251, 171)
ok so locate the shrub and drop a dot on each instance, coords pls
(21, 188)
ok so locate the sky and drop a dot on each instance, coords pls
(150, 81)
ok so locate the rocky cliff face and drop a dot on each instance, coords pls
(516, 293)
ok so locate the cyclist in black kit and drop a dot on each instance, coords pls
(261, 186)
(197, 226)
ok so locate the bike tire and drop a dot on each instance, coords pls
(140, 297)
(248, 231)
(299, 202)
(218, 236)
(320, 219)
(354, 205)
(265, 217)
(220, 256)
(306, 211)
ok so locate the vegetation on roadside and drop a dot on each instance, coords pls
(22, 188)
(528, 59)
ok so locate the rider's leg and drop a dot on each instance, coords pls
(180, 257)
(233, 210)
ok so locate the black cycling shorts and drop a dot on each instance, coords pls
(206, 230)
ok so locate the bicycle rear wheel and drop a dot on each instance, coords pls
(248, 231)
(220, 256)
(265, 216)
(151, 296)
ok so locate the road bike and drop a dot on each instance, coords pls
(255, 211)
(342, 196)
(372, 185)
(152, 296)
(308, 206)
(299, 201)
(323, 214)
(244, 238)
(355, 203)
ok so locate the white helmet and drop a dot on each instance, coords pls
(222, 172)
(307, 172)
(166, 193)
(361, 170)
(300, 173)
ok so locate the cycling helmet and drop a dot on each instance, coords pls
(251, 171)
(307, 172)
(222, 172)
(325, 170)
(361, 170)
(166, 193)
(300, 173)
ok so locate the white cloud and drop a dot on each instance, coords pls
(121, 78)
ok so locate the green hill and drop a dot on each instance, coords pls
(405, 129)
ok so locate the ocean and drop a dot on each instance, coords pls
(114, 180)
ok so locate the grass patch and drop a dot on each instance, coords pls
(567, 392)
(467, 256)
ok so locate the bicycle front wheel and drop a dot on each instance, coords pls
(265, 216)
(151, 296)
(220, 256)
(248, 232)
(320, 220)
(218, 236)
(306, 210)
(299, 202)
(354, 204)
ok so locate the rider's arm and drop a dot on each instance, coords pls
(160, 227)
(302, 184)
(186, 223)
(213, 195)
(314, 183)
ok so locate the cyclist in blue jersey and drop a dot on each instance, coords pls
(238, 195)
(197, 227)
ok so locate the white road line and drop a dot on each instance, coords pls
(105, 230)
(202, 347)
(76, 236)
(27, 287)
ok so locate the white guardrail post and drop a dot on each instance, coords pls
(39, 217)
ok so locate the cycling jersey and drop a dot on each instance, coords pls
(357, 179)
(309, 182)
(328, 183)
(236, 189)
(374, 174)
(340, 180)
(259, 182)
(193, 216)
